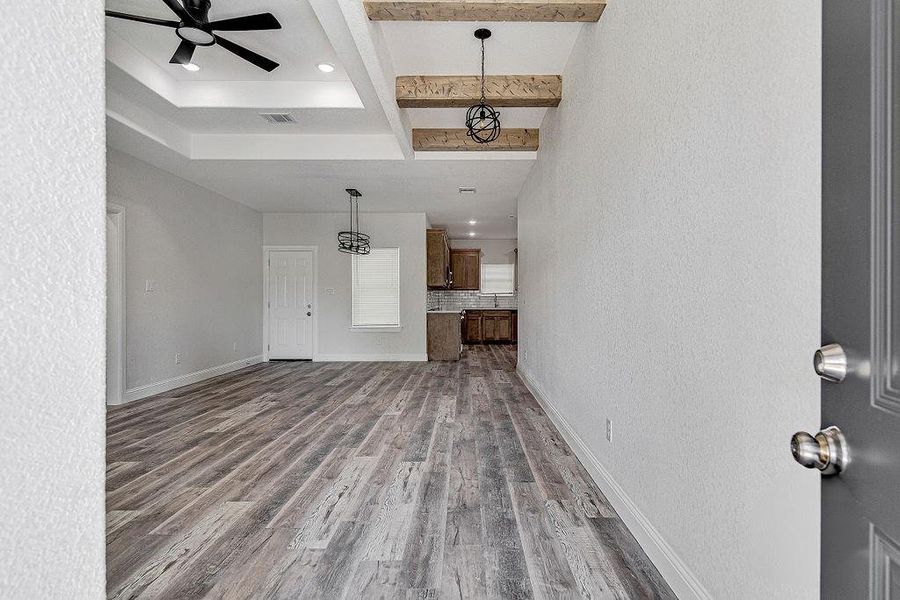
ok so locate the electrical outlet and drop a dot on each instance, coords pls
(329, 291)
(608, 430)
(149, 285)
(178, 358)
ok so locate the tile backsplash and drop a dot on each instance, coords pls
(461, 299)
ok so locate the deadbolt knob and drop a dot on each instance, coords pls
(830, 363)
(826, 451)
(806, 450)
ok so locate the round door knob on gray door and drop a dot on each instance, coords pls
(826, 451)
(830, 363)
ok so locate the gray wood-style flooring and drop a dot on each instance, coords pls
(359, 480)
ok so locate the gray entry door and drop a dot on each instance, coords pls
(861, 295)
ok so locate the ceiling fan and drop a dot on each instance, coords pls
(195, 29)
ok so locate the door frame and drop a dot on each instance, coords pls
(117, 211)
(267, 250)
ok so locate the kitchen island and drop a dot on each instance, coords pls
(444, 334)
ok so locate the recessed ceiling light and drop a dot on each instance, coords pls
(471, 234)
(510, 216)
(467, 190)
(191, 67)
(472, 222)
(325, 67)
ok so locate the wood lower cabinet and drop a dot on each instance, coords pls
(472, 328)
(487, 326)
(466, 267)
(437, 250)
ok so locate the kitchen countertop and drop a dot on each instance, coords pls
(457, 311)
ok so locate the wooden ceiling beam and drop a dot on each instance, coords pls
(461, 91)
(449, 140)
(485, 10)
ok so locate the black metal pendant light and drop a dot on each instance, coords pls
(353, 241)
(482, 121)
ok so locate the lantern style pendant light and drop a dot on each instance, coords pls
(353, 241)
(482, 121)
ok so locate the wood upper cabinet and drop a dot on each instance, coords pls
(438, 258)
(466, 267)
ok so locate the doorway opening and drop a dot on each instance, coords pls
(115, 304)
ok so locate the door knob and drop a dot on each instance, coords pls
(830, 363)
(309, 314)
(826, 451)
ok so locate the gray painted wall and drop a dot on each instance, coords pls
(390, 230)
(52, 307)
(669, 277)
(203, 253)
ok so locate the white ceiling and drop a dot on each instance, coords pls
(298, 46)
(205, 126)
(449, 48)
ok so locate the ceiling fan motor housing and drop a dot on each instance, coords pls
(199, 9)
(197, 32)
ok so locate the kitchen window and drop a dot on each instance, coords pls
(376, 289)
(498, 279)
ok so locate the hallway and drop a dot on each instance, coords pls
(359, 480)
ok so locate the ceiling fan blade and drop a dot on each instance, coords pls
(140, 19)
(249, 55)
(248, 23)
(179, 9)
(183, 54)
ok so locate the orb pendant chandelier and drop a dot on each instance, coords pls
(482, 120)
(353, 241)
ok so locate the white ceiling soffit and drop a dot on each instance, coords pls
(429, 186)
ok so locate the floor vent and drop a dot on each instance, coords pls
(278, 118)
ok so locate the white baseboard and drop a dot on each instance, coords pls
(175, 382)
(370, 358)
(680, 578)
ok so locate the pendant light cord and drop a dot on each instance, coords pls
(482, 73)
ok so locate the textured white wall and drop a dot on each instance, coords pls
(204, 254)
(669, 276)
(52, 307)
(395, 230)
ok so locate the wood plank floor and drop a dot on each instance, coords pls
(359, 480)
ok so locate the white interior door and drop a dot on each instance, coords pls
(291, 304)
(113, 308)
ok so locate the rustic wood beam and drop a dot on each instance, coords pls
(434, 140)
(461, 91)
(484, 10)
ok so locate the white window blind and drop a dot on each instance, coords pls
(376, 288)
(498, 279)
